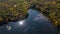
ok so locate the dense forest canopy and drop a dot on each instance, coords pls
(12, 10)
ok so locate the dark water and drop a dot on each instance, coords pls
(36, 23)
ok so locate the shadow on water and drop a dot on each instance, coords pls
(35, 23)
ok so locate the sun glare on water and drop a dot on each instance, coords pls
(21, 22)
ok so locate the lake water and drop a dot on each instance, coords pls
(36, 23)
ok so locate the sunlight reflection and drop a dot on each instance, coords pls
(21, 22)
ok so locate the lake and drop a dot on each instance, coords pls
(35, 23)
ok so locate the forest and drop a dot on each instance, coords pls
(12, 10)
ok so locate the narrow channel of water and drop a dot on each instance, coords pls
(36, 23)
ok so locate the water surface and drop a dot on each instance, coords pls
(36, 23)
